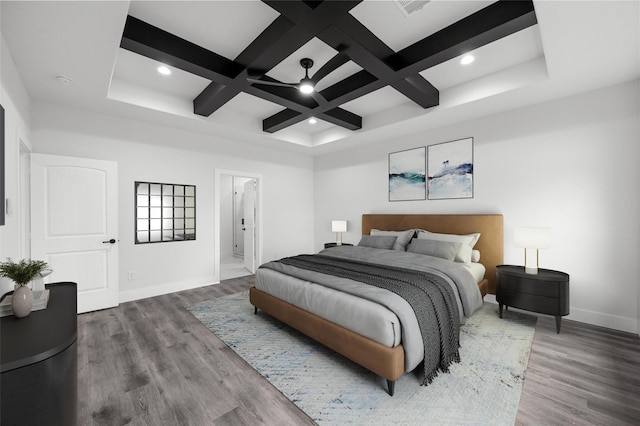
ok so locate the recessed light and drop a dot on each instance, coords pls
(312, 120)
(164, 70)
(467, 59)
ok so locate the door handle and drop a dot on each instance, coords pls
(111, 241)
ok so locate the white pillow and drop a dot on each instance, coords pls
(403, 237)
(467, 242)
(475, 256)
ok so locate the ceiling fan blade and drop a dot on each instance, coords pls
(272, 83)
(334, 63)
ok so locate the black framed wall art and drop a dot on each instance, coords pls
(450, 170)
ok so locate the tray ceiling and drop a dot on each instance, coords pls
(394, 66)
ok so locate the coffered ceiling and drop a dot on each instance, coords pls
(384, 71)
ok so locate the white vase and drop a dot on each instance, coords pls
(22, 301)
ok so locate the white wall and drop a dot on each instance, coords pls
(16, 103)
(571, 165)
(159, 268)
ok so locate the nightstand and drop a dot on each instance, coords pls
(546, 292)
(327, 245)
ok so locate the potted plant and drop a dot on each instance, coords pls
(21, 273)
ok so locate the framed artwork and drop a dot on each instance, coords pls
(450, 170)
(407, 175)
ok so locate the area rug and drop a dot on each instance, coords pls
(484, 388)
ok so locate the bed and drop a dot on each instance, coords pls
(383, 349)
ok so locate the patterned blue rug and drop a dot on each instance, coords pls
(484, 388)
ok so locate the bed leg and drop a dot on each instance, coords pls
(255, 310)
(390, 386)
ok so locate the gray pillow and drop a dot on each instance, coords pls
(378, 241)
(403, 237)
(443, 249)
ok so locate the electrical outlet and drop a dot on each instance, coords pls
(131, 275)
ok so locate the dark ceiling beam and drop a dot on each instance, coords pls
(350, 37)
(339, 115)
(367, 50)
(285, 96)
(299, 107)
(299, 22)
(354, 86)
(495, 21)
(288, 117)
(498, 20)
(283, 37)
(146, 40)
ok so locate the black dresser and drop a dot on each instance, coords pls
(38, 354)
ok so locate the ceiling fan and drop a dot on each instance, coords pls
(307, 84)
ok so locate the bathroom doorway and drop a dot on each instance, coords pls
(238, 224)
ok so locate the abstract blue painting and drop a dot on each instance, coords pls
(451, 170)
(407, 172)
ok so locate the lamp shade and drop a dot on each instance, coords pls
(533, 238)
(338, 226)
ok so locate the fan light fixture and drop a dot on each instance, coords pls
(306, 84)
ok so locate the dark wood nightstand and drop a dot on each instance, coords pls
(546, 292)
(327, 245)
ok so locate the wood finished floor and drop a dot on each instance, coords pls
(150, 362)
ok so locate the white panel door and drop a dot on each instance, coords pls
(74, 225)
(250, 225)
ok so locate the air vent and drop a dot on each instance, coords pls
(410, 6)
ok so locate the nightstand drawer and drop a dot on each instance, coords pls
(530, 302)
(533, 287)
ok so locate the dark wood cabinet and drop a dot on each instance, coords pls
(546, 292)
(39, 367)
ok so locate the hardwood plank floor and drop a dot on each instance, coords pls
(150, 362)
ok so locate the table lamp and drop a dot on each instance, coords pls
(532, 238)
(339, 226)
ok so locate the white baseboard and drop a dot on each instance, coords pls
(159, 290)
(629, 325)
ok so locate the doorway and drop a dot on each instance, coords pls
(237, 224)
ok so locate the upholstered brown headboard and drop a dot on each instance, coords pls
(490, 244)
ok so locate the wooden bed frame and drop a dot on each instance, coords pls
(382, 360)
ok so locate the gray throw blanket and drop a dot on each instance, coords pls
(429, 295)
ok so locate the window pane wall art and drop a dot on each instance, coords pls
(407, 175)
(164, 212)
(450, 170)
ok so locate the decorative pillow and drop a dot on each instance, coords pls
(464, 254)
(469, 240)
(378, 241)
(475, 256)
(403, 237)
(443, 249)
